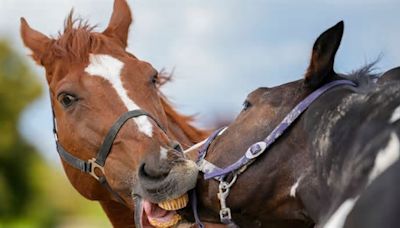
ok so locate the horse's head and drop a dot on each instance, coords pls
(268, 188)
(93, 81)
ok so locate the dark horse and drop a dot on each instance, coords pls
(315, 172)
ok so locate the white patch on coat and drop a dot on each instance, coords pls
(110, 68)
(339, 217)
(295, 186)
(386, 157)
(332, 118)
(163, 153)
(395, 115)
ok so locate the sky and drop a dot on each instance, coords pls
(219, 50)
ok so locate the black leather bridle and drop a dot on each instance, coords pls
(98, 162)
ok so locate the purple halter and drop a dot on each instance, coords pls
(255, 150)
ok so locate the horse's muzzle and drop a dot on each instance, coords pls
(170, 180)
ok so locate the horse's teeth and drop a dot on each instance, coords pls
(175, 204)
(167, 224)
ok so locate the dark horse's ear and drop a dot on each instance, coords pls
(36, 41)
(323, 56)
(121, 19)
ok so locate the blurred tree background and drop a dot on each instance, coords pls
(32, 193)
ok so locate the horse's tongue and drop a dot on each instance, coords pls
(153, 211)
(159, 217)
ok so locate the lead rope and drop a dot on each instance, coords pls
(193, 199)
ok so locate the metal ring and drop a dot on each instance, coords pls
(93, 165)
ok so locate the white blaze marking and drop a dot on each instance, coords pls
(163, 153)
(339, 217)
(386, 157)
(109, 68)
(395, 115)
(295, 186)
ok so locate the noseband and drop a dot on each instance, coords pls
(98, 162)
(220, 174)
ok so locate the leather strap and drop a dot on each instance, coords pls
(105, 148)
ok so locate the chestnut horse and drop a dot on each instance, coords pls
(96, 85)
(317, 169)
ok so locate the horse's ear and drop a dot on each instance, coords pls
(121, 19)
(323, 56)
(34, 40)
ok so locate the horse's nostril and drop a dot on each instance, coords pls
(176, 146)
(142, 172)
(147, 171)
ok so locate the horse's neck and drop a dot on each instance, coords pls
(119, 215)
(325, 197)
(345, 145)
(318, 189)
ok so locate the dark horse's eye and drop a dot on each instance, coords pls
(154, 79)
(66, 99)
(246, 105)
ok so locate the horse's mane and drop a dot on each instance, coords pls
(183, 121)
(76, 41)
(365, 76)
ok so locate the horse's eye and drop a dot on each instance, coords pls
(154, 79)
(246, 105)
(66, 99)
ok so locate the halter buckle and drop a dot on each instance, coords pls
(256, 149)
(92, 167)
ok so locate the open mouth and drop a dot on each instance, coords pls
(162, 215)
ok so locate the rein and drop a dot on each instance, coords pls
(220, 174)
(98, 162)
